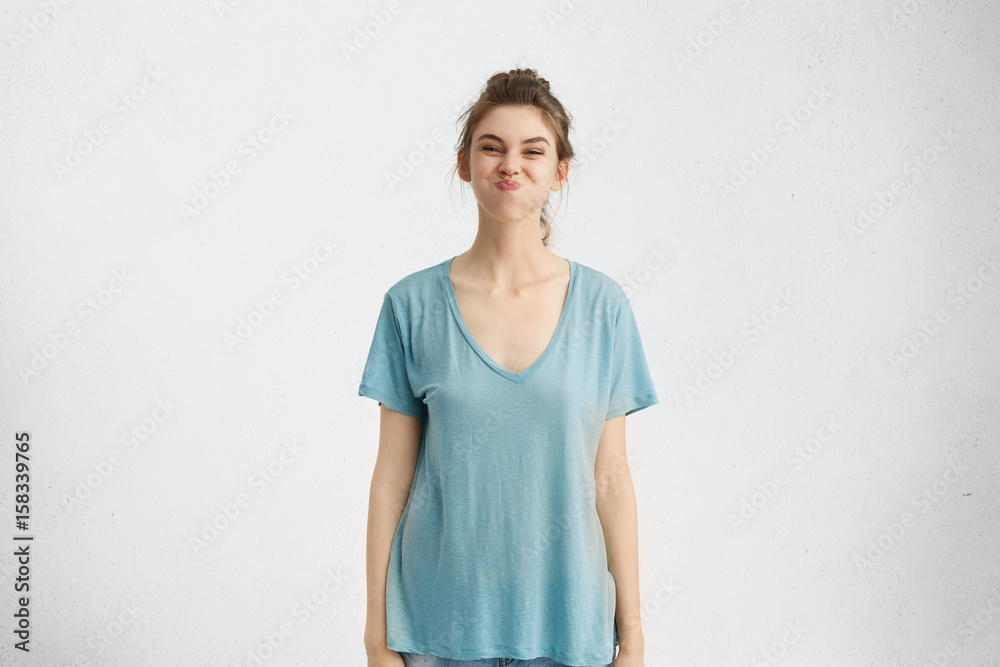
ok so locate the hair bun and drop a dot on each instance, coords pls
(514, 73)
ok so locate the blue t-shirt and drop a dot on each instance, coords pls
(499, 552)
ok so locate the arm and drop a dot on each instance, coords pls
(398, 446)
(617, 510)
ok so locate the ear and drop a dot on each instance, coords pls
(463, 170)
(561, 177)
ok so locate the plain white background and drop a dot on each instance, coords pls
(200, 458)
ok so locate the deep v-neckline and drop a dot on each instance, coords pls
(503, 370)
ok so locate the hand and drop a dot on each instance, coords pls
(385, 657)
(629, 658)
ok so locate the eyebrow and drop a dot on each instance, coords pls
(494, 137)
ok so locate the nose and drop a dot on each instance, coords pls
(509, 165)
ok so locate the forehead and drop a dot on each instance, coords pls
(514, 123)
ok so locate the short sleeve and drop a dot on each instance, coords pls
(384, 378)
(631, 384)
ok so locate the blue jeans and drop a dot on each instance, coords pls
(421, 660)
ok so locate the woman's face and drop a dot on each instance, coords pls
(513, 144)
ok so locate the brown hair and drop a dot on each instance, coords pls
(519, 87)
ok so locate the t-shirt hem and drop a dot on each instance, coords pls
(389, 400)
(633, 405)
(499, 652)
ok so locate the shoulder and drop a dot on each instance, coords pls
(599, 289)
(418, 291)
(415, 283)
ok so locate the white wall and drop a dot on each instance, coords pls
(716, 591)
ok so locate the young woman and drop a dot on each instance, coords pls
(502, 517)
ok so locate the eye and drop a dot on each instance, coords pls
(486, 148)
(535, 152)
